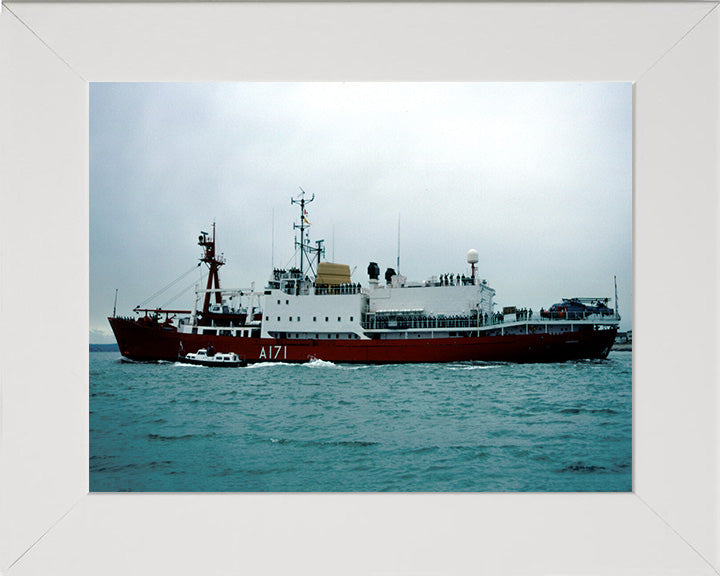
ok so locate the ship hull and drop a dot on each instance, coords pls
(147, 343)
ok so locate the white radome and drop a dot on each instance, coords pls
(472, 256)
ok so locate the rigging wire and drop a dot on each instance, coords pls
(293, 257)
(183, 292)
(166, 288)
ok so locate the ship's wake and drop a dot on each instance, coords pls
(318, 363)
(270, 364)
(124, 360)
(465, 367)
(311, 363)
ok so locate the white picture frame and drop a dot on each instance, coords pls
(669, 524)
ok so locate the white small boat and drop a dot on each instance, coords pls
(208, 357)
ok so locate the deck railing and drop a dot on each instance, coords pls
(328, 289)
(416, 322)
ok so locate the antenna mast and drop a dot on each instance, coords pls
(617, 311)
(304, 223)
(115, 305)
(398, 250)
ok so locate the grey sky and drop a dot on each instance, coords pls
(536, 177)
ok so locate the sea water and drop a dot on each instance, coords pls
(322, 427)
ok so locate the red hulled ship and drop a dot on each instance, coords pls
(317, 312)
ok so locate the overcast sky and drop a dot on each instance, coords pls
(536, 177)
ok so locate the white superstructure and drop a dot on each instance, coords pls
(311, 315)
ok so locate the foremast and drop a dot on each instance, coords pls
(213, 262)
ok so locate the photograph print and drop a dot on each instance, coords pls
(360, 287)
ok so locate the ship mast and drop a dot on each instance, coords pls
(209, 257)
(617, 312)
(304, 243)
(398, 250)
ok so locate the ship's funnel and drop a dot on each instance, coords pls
(373, 271)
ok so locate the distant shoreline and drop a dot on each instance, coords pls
(104, 348)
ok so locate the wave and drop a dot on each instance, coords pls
(473, 367)
(270, 364)
(311, 443)
(318, 363)
(583, 468)
(312, 363)
(587, 411)
(153, 465)
(181, 437)
(124, 360)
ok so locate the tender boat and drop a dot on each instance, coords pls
(208, 357)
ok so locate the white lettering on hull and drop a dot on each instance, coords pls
(273, 352)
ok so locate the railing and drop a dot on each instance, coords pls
(325, 289)
(415, 322)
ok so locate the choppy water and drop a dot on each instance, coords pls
(324, 427)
